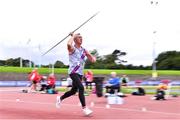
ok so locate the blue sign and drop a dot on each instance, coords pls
(20, 83)
(59, 83)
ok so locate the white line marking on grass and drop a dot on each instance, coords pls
(72, 105)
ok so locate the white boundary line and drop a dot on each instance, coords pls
(72, 105)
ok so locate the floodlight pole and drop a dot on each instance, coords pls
(53, 69)
(40, 58)
(154, 3)
(20, 59)
(28, 43)
(21, 62)
(154, 56)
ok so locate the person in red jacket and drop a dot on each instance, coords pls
(89, 79)
(34, 77)
(51, 81)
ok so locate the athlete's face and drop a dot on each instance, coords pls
(78, 39)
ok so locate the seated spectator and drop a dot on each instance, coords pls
(140, 91)
(124, 80)
(51, 81)
(43, 84)
(51, 84)
(89, 79)
(35, 78)
(160, 93)
(113, 84)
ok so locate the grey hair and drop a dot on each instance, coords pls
(78, 34)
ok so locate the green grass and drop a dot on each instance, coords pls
(95, 71)
(27, 70)
(151, 89)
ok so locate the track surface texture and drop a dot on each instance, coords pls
(17, 105)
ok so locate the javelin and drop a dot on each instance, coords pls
(69, 34)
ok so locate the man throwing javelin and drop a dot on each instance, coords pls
(77, 57)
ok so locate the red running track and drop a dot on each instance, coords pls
(16, 105)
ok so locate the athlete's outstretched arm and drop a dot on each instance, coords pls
(90, 57)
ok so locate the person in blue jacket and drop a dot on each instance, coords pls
(113, 84)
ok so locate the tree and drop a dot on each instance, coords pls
(16, 62)
(9, 62)
(2, 62)
(59, 64)
(110, 61)
(168, 60)
(117, 54)
(113, 61)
